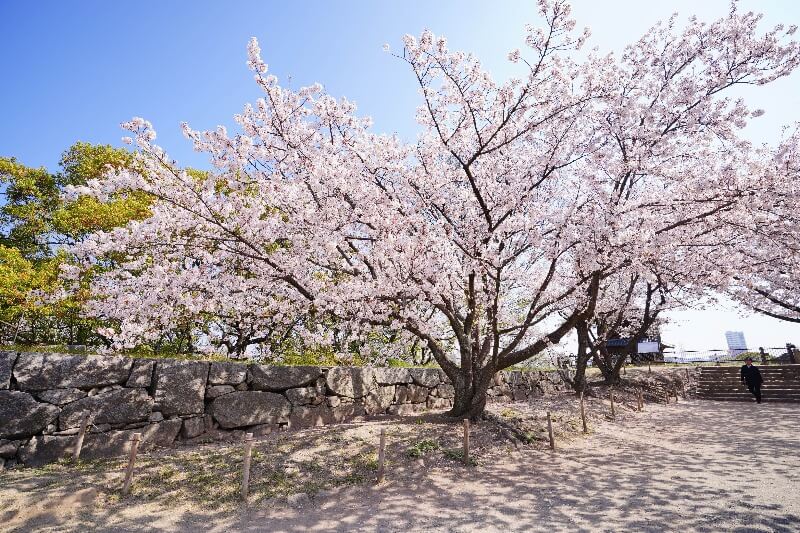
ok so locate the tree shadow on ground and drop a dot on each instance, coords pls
(694, 466)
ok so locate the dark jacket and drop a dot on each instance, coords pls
(751, 375)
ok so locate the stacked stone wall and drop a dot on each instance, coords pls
(44, 397)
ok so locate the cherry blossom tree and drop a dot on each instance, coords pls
(765, 237)
(490, 237)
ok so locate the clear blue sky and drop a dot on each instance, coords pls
(75, 70)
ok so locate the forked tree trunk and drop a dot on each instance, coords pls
(468, 404)
(471, 386)
(479, 363)
(579, 381)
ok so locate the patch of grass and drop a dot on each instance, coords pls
(422, 447)
(368, 460)
(353, 478)
(534, 435)
(509, 413)
(312, 466)
(62, 471)
(457, 454)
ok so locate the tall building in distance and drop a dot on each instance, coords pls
(736, 343)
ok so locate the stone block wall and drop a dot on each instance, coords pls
(44, 398)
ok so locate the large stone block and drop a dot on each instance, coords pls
(227, 374)
(438, 403)
(215, 391)
(520, 394)
(304, 396)
(45, 448)
(281, 378)
(513, 377)
(249, 408)
(412, 394)
(22, 416)
(445, 390)
(6, 364)
(377, 401)
(193, 427)
(61, 396)
(392, 376)
(8, 448)
(546, 387)
(119, 406)
(38, 371)
(346, 411)
(406, 409)
(141, 373)
(427, 377)
(352, 382)
(303, 417)
(181, 387)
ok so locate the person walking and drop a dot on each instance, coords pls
(751, 377)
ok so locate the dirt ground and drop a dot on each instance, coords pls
(691, 466)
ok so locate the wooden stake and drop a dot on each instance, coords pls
(583, 415)
(248, 454)
(648, 367)
(613, 412)
(466, 441)
(76, 452)
(666, 396)
(675, 390)
(381, 455)
(126, 485)
(641, 401)
(550, 431)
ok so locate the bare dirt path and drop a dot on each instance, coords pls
(694, 466)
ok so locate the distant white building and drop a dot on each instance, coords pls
(736, 343)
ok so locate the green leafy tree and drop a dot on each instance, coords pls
(35, 222)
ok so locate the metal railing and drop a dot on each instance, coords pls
(765, 356)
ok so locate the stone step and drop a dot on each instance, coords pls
(765, 375)
(721, 395)
(737, 372)
(760, 367)
(744, 390)
(723, 383)
(739, 386)
(737, 379)
(737, 382)
(781, 384)
(750, 399)
(736, 375)
(771, 384)
(774, 392)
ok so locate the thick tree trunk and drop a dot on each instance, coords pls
(482, 356)
(471, 386)
(579, 381)
(468, 404)
(617, 368)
